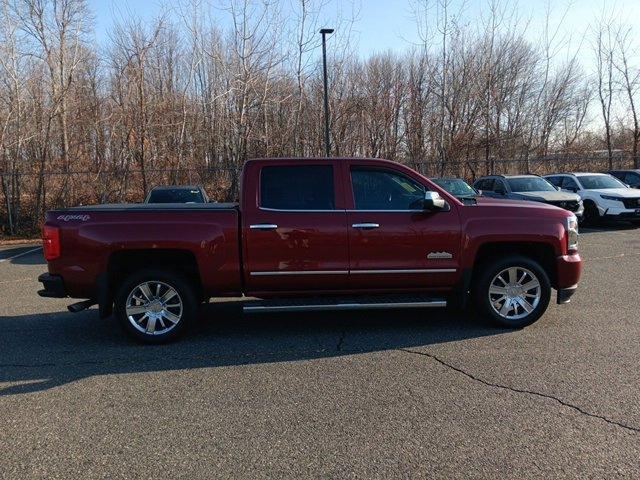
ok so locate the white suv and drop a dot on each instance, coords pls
(604, 196)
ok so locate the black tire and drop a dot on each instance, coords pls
(186, 298)
(591, 214)
(489, 272)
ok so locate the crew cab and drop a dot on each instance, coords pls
(313, 234)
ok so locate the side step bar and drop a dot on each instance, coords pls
(265, 307)
(80, 306)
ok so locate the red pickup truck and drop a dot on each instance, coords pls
(313, 234)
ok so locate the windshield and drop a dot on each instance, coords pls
(176, 195)
(530, 184)
(593, 182)
(456, 187)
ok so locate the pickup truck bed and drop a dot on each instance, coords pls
(98, 241)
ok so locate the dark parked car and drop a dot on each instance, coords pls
(529, 187)
(456, 187)
(630, 177)
(177, 194)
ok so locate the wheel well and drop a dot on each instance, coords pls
(540, 252)
(121, 264)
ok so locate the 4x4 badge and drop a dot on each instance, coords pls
(439, 256)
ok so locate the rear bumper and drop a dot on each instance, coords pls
(53, 286)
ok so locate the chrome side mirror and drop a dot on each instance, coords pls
(433, 202)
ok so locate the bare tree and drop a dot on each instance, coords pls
(604, 45)
(189, 96)
(630, 80)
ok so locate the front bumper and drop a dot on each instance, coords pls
(565, 294)
(569, 269)
(620, 213)
(624, 215)
(53, 286)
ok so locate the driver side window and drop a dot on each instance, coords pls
(380, 189)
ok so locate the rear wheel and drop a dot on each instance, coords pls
(513, 292)
(155, 306)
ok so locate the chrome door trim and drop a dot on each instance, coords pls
(386, 211)
(401, 271)
(267, 209)
(345, 272)
(366, 226)
(300, 272)
(263, 226)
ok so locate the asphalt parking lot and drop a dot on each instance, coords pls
(409, 394)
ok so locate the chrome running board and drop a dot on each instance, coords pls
(315, 306)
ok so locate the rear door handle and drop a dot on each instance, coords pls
(263, 226)
(366, 226)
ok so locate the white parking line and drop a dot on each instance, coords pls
(21, 254)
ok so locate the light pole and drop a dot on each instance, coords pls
(327, 142)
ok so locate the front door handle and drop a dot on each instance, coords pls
(366, 226)
(263, 226)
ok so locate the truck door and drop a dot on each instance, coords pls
(394, 243)
(295, 227)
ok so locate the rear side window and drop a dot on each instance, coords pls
(305, 187)
(632, 179)
(555, 181)
(486, 184)
(569, 183)
(499, 184)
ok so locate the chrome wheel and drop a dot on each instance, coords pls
(154, 308)
(514, 293)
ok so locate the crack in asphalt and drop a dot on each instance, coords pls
(339, 347)
(521, 390)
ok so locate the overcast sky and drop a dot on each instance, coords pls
(389, 25)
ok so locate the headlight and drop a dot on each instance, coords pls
(609, 197)
(572, 234)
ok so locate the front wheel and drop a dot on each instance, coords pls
(513, 292)
(591, 214)
(155, 306)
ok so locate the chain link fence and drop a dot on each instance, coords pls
(27, 196)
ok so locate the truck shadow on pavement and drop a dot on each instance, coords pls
(23, 255)
(49, 350)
